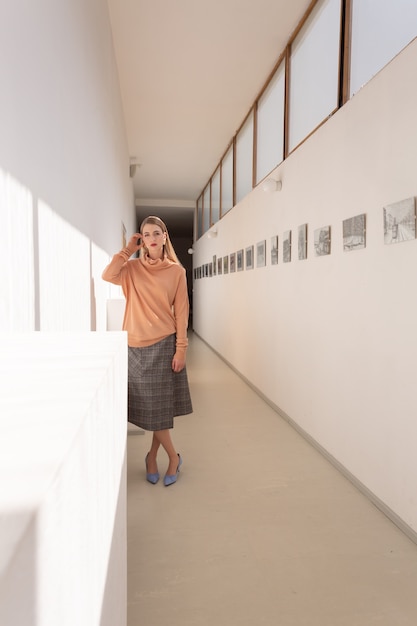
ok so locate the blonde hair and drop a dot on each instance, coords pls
(168, 247)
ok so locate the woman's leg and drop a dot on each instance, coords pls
(163, 437)
(151, 464)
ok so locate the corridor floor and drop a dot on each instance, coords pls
(260, 529)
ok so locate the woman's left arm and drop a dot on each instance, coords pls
(181, 313)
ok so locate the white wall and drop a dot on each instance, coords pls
(64, 193)
(63, 155)
(63, 479)
(332, 340)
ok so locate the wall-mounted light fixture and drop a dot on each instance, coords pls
(270, 184)
(212, 233)
(190, 251)
(133, 166)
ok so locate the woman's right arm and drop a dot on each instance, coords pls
(113, 272)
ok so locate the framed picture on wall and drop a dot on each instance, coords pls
(219, 265)
(239, 260)
(400, 221)
(214, 265)
(249, 257)
(261, 253)
(286, 247)
(302, 242)
(225, 265)
(233, 262)
(354, 233)
(274, 250)
(322, 241)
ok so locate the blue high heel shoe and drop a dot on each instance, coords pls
(151, 478)
(170, 479)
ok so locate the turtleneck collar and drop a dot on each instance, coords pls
(157, 263)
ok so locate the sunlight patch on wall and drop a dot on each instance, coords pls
(101, 289)
(17, 290)
(64, 273)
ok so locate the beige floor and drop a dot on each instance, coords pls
(259, 529)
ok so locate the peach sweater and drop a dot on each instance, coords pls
(156, 299)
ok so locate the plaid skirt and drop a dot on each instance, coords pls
(156, 394)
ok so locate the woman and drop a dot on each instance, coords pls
(156, 320)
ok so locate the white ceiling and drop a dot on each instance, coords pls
(190, 71)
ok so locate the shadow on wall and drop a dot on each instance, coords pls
(18, 593)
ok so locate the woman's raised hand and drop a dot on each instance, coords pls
(133, 244)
